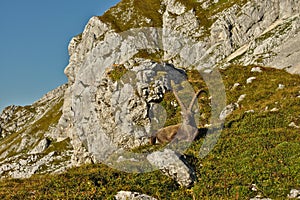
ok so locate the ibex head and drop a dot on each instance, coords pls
(187, 113)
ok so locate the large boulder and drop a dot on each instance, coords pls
(173, 165)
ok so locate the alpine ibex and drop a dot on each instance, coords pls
(187, 130)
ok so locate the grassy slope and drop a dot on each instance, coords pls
(146, 8)
(254, 148)
(151, 10)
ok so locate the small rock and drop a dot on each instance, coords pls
(250, 111)
(235, 86)
(258, 197)
(280, 86)
(293, 125)
(241, 98)
(274, 110)
(208, 71)
(250, 80)
(256, 69)
(207, 125)
(266, 108)
(22, 162)
(174, 104)
(294, 194)
(43, 144)
(228, 110)
(254, 187)
(127, 195)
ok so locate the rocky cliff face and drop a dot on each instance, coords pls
(116, 74)
(30, 142)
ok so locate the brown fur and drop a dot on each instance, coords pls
(165, 135)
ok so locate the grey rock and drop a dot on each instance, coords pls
(293, 125)
(127, 195)
(266, 35)
(250, 111)
(14, 118)
(281, 86)
(250, 80)
(294, 194)
(256, 69)
(228, 110)
(288, 54)
(241, 98)
(254, 187)
(173, 165)
(235, 86)
(174, 7)
(260, 198)
(43, 145)
(208, 71)
(274, 110)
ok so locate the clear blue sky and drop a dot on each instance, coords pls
(34, 36)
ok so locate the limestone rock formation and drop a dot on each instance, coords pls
(30, 142)
(173, 165)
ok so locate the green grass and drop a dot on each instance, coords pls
(87, 182)
(156, 56)
(117, 72)
(141, 8)
(254, 148)
(173, 113)
(150, 9)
